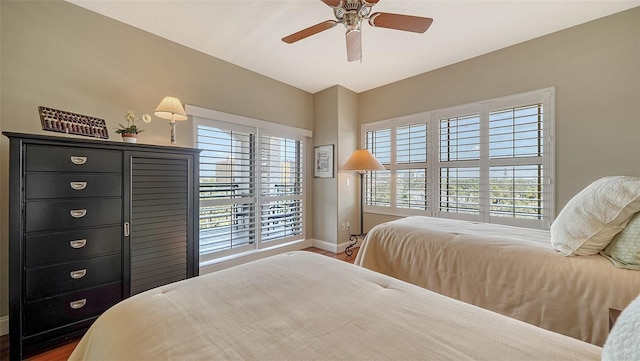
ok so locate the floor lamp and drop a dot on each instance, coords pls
(361, 161)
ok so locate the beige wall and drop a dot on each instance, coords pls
(325, 195)
(335, 114)
(595, 68)
(62, 56)
(348, 205)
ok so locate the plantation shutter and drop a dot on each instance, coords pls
(281, 170)
(459, 178)
(412, 184)
(227, 188)
(378, 183)
(516, 162)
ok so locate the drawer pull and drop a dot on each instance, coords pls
(78, 243)
(78, 213)
(78, 160)
(78, 185)
(78, 274)
(78, 304)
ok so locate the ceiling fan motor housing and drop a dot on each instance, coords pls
(351, 13)
(350, 5)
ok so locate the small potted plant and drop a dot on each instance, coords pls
(130, 132)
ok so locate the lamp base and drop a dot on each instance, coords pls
(173, 131)
(353, 240)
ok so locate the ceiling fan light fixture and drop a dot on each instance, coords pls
(352, 21)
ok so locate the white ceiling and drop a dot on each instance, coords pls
(248, 32)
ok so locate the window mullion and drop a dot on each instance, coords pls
(393, 167)
(433, 163)
(484, 165)
(257, 149)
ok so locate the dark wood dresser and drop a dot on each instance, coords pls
(92, 222)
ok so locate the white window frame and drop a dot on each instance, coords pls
(546, 96)
(213, 118)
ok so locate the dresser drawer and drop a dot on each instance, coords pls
(52, 248)
(72, 213)
(72, 159)
(56, 185)
(73, 307)
(73, 276)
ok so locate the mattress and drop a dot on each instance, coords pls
(302, 305)
(510, 270)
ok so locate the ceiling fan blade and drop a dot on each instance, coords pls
(354, 45)
(312, 30)
(332, 3)
(414, 24)
(370, 2)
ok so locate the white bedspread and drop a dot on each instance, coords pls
(304, 306)
(510, 270)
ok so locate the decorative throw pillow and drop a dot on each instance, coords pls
(623, 343)
(624, 249)
(589, 221)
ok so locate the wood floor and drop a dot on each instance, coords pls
(62, 353)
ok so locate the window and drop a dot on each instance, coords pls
(378, 184)
(411, 173)
(251, 187)
(490, 161)
(281, 188)
(227, 189)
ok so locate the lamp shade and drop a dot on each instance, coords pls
(170, 108)
(362, 160)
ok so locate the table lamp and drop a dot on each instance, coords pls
(171, 108)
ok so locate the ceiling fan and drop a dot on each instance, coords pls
(351, 13)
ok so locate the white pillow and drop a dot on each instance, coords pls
(623, 342)
(624, 249)
(591, 219)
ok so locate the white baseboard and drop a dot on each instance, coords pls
(4, 325)
(332, 247)
(327, 246)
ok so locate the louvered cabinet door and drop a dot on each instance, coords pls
(161, 220)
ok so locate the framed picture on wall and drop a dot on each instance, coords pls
(323, 161)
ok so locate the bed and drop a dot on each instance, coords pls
(302, 305)
(510, 270)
